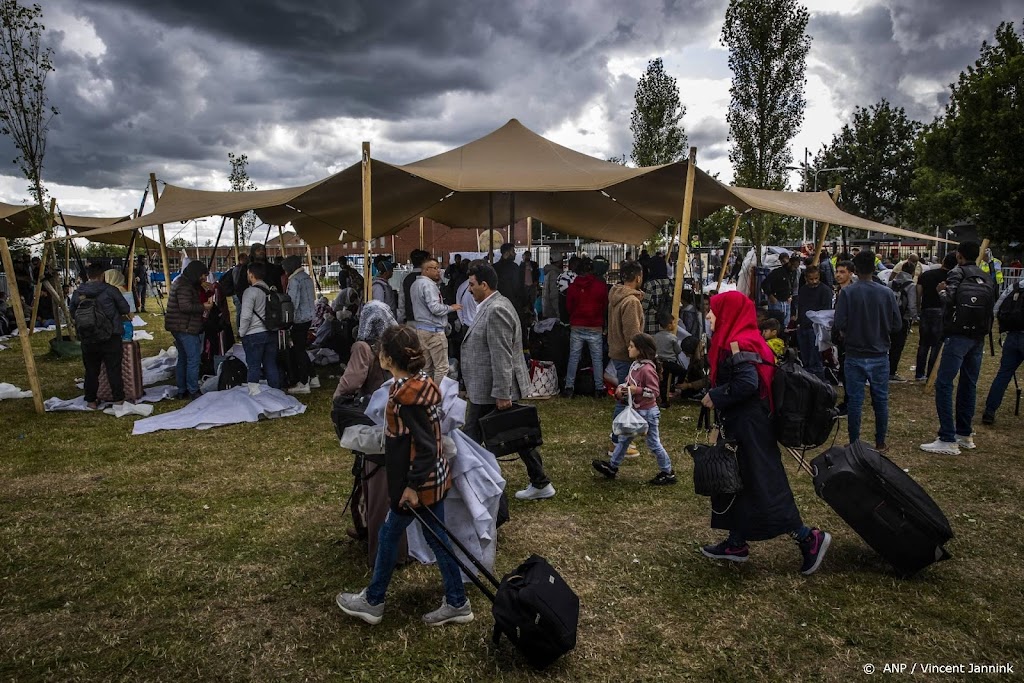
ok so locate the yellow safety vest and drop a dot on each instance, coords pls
(998, 265)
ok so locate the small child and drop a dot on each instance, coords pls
(642, 383)
(770, 331)
(669, 349)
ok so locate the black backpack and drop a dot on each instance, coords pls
(805, 406)
(233, 373)
(904, 289)
(227, 283)
(92, 324)
(279, 312)
(969, 314)
(1011, 312)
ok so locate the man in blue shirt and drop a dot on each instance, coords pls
(866, 316)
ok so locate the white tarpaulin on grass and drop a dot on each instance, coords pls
(218, 408)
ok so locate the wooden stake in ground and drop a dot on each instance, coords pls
(367, 223)
(728, 252)
(163, 237)
(684, 230)
(23, 335)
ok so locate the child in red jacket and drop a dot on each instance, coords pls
(643, 385)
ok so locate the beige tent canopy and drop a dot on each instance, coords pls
(475, 185)
(15, 223)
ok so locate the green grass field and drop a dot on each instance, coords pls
(216, 555)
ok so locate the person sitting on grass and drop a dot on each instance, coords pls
(418, 475)
(669, 350)
(770, 328)
(643, 385)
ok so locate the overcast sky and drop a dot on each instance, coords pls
(171, 87)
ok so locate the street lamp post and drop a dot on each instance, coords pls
(816, 172)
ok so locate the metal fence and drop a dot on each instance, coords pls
(3, 285)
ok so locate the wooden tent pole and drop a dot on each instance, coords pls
(529, 232)
(280, 241)
(367, 222)
(23, 333)
(421, 233)
(824, 231)
(131, 262)
(38, 287)
(236, 240)
(309, 260)
(490, 228)
(684, 230)
(728, 251)
(163, 237)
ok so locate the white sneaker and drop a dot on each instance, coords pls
(941, 447)
(533, 493)
(966, 442)
(314, 382)
(299, 389)
(254, 388)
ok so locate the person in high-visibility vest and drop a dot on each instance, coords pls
(990, 264)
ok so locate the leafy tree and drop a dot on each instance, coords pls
(971, 161)
(768, 47)
(25, 114)
(240, 182)
(878, 149)
(179, 243)
(658, 138)
(99, 250)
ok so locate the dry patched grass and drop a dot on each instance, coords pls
(217, 555)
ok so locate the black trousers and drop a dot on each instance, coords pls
(298, 359)
(930, 331)
(93, 357)
(530, 457)
(897, 342)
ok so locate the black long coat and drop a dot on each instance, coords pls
(765, 507)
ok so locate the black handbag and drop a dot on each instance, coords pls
(716, 470)
(512, 430)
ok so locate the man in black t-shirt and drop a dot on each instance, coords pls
(930, 327)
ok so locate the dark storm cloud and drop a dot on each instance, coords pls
(182, 83)
(901, 49)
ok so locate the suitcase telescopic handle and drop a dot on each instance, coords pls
(462, 565)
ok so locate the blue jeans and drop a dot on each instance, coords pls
(960, 355)
(186, 372)
(653, 416)
(876, 371)
(621, 370)
(261, 350)
(390, 535)
(810, 356)
(782, 306)
(594, 340)
(1013, 356)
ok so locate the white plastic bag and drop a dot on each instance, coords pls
(629, 422)
(367, 439)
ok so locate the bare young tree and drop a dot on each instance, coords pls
(25, 113)
(240, 182)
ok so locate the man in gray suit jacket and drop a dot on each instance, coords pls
(494, 369)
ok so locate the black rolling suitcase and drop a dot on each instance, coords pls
(533, 606)
(512, 430)
(884, 505)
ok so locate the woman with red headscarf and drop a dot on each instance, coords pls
(742, 369)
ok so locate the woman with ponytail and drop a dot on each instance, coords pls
(418, 475)
(742, 369)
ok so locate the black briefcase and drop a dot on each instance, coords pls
(512, 430)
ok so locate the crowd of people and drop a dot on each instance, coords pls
(847, 317)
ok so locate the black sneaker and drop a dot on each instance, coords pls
(988, 419)
(663, 479)
(724, 551)
(600, 393)
(566, 393)
(605, 468)
(814, 548)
